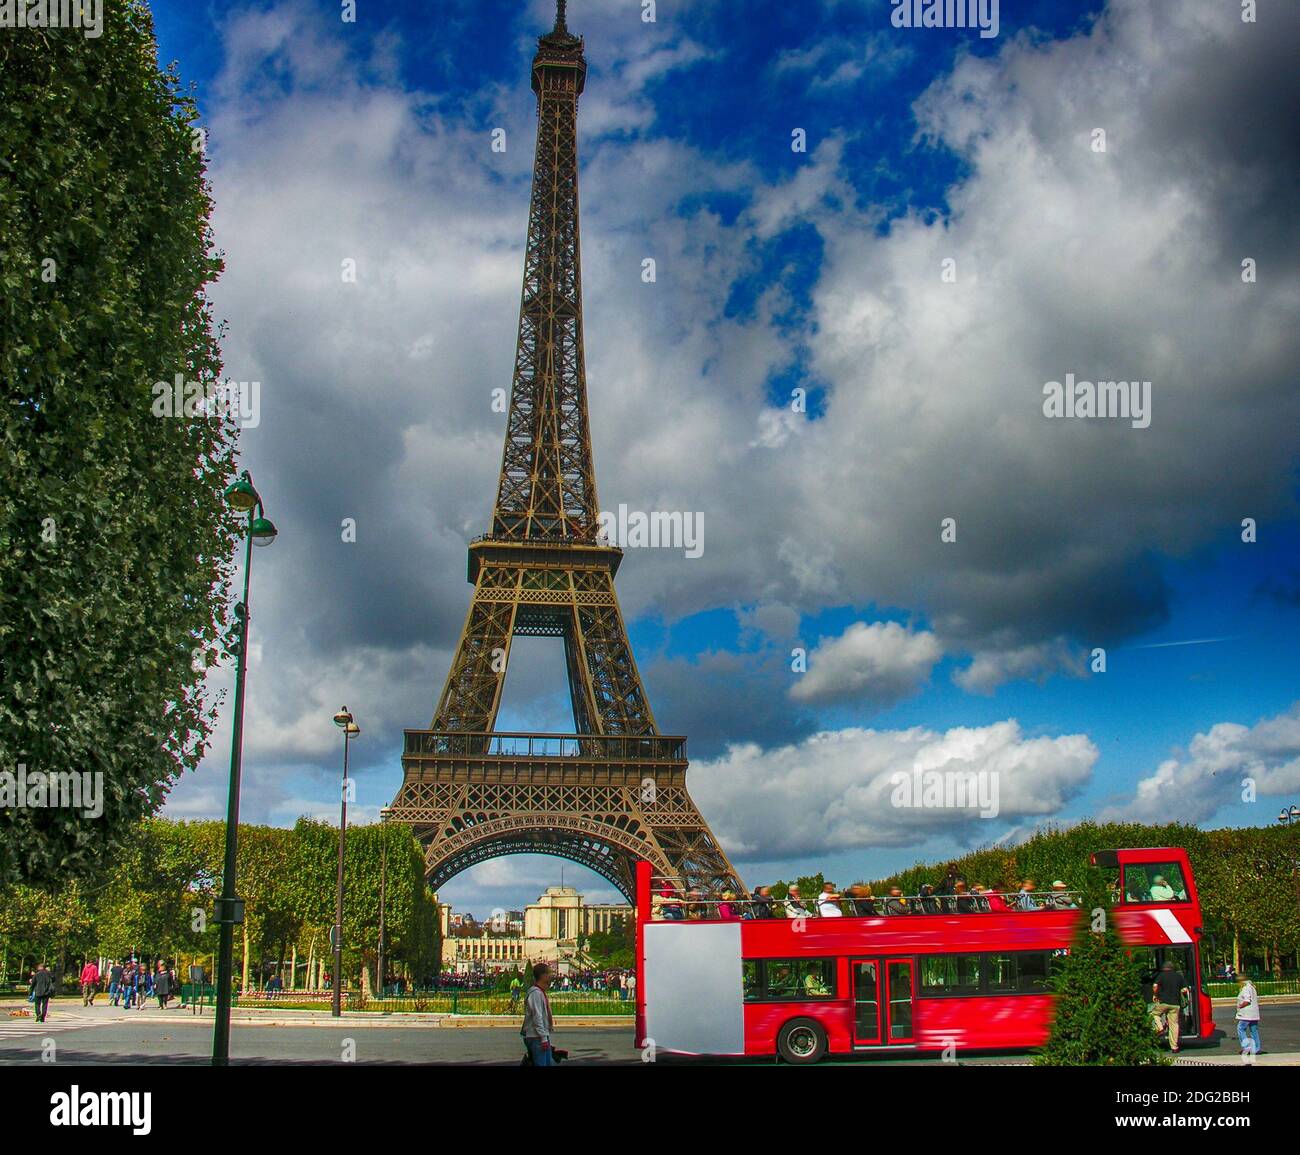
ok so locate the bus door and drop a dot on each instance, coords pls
(882, 1001)
(1151, 958)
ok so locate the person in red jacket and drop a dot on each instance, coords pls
(89, 982)
(995, 901)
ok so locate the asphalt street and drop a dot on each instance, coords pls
(151, 1036)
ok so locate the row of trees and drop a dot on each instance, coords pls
(157, 900)
(116, 546)
(1248, 878)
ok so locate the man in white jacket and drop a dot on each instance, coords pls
(538, 1023)
(1247, 1015)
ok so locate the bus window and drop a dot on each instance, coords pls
(812, 978)
(818, 977)
(781, 981)
(950, 974)
(1032, 968)
(1154, 882)
(1001, 970)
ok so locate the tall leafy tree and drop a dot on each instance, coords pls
(1101, 1017)
(115, 546)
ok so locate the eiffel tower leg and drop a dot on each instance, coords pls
(611, 685)
(685, 840)
(472, 693)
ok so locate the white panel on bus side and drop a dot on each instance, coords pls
(693, 992)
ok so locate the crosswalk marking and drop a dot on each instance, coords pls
(26, 1027)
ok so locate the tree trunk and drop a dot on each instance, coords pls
(293, 971)
(1236, 949)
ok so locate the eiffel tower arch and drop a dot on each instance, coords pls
(614, 791)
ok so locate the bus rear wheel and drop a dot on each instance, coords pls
(801, 1041)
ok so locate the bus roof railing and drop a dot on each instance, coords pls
(1038, 900)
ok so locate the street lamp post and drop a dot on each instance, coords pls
(350, 729)
(240, 496)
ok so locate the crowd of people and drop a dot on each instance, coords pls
(589, 979)
(953, 895)
(610, 979)
(129, 983)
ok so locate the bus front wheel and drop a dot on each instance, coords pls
(801, 1041)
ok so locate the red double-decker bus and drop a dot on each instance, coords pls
(804, 988)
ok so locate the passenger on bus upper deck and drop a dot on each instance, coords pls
(966, 902)
(948, 887)
(864, 905)
(895, 903)
(1025, 896)
(926, 903)
(665, 904)
(727, 908)
(1059, 900)
(828, 902)
(794, 906)
(993, 901)
(760, 903)
(695, 907)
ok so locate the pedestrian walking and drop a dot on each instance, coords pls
(537, 1018)
(115, 982)
(89, 982)
(1168, 991)
(42, 989)
(162, 985)
(1247, 1015)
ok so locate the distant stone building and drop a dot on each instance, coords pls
(555, 928)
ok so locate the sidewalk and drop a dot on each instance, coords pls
(1264, 1059)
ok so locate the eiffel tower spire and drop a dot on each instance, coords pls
(548, 484)
(615, 791)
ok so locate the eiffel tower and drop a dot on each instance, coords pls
(615, 791)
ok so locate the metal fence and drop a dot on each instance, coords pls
(468, 1002)
(1218, 989)
(454, 1001)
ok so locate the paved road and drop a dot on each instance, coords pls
(174, 1037)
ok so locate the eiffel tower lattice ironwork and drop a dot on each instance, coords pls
(615, 791)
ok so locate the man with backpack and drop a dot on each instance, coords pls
(1167, 994)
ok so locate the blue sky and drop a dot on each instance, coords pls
(779, 271)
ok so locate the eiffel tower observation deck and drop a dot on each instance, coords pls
(615, 791)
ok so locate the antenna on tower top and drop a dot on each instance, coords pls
(559, 16)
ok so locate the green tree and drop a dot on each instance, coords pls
(115, 544)
(1101, 1017)
(615, 947)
